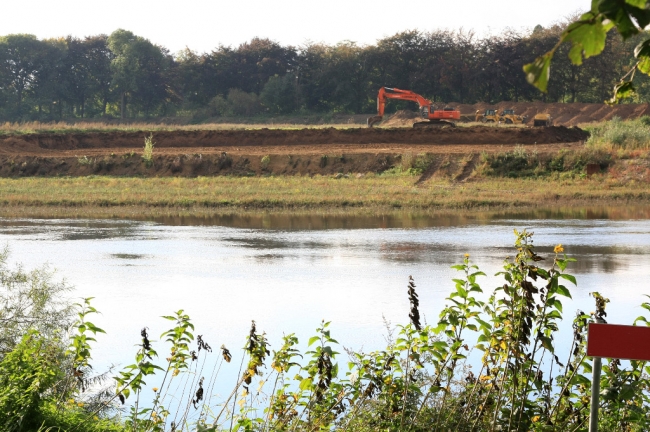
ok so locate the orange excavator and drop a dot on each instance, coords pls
(428, 111)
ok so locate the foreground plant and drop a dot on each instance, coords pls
(147, 154)
(489, 363)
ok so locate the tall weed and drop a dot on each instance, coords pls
(619, 134)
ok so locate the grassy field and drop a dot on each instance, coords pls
(114, 197)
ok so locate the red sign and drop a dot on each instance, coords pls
(618, 341)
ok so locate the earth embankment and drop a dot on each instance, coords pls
(563, 114)
(286, 140)
(259, 152)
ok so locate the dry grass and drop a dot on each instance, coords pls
(82, 127)
(91, 126)
(109, 196)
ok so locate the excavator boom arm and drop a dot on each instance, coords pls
(386, 93)
(395, 93)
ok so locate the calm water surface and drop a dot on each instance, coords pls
(289, 278)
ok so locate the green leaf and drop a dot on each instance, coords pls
(563, 291)
(627, 392)
(587, 36)
(644, 65)
(570, 278)
(622, 90)
(305, 384)
(636, 3)
(440, 327)
(546, 343)
(484, 324)
(538, 72)
(621, 16)
(312, 340)
(581, 379)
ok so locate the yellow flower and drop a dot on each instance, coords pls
(80, 404)
(558, 249)
(155, 389)
(535, 419)
(466, 255)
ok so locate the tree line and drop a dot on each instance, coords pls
(123, 75)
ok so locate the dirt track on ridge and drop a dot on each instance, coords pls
(305, 141)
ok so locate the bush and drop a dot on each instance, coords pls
(618, 134)
(30, 301)
(280, 94)
(147, 153)
(242, 103)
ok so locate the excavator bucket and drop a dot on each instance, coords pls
(374, 120)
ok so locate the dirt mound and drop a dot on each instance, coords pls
(317, 138)
(401, 118)
(565, 114)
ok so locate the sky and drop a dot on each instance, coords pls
(203, 25)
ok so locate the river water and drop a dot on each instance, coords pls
(289, 274)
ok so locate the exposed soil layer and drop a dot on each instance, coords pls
(319, 139)
(259, 152)
(564, 114)
(454, 161)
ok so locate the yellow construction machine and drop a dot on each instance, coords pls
(489, 116)
(542, 119)
(508, 116)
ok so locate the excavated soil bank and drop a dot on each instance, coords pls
(565, 114)
(288, 139)
(562, 114)
(260, 152)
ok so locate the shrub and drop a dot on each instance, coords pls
(242, 103)
(147, 154)
(618, 134)
(280, 94)
(265, 161)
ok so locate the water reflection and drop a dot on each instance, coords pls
(70, 229)
(396, 219)
(290, 276)
(127, 256)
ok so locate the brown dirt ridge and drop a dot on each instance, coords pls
(285, 141)
(564, 114)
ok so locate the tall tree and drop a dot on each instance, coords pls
(20, 57)
(139, 68)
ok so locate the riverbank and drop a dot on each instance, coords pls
(117, 197)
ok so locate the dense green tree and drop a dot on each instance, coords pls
(280, 95)
(139, 68)
(88, 73)
(124, 73)
(21, 60)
